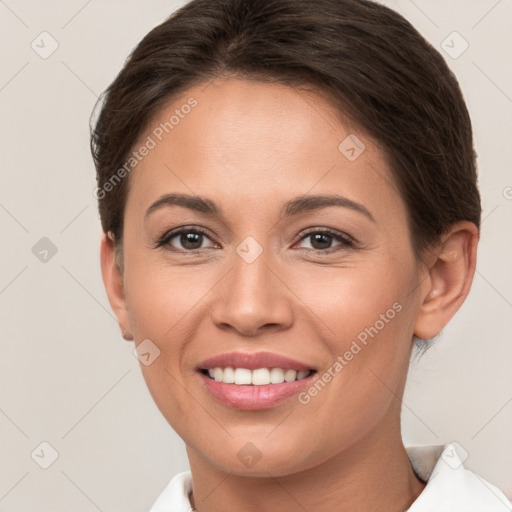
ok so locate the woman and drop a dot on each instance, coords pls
(288, 197)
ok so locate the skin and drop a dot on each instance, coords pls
(250, 146)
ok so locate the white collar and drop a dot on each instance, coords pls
(450, 486)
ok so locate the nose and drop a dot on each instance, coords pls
(253, 298)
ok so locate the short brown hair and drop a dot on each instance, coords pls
(370, 61)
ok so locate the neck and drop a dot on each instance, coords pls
(374, 474)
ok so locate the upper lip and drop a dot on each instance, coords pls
(253, 361)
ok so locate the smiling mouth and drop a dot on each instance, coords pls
(256, 377)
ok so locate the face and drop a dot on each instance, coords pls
(298, 263)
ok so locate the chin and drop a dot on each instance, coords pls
(259, 457)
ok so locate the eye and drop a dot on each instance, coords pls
(322, 240)
(191, 239)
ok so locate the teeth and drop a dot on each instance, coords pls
(290, 375)
(276, 376)
(242, 376)
(228, 375)
(218, 374)
(259, 377)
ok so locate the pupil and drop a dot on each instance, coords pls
(188, 240)
(324, 240)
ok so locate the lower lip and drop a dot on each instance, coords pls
(250, 397)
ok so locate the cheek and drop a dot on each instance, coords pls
(364, 318)
(348, 301)
(161, 305)
(160, 297)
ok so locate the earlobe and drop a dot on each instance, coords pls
(114, 287)
(449, 279)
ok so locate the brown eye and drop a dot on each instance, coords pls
(184, 240)
(190, 240)
(323, 241)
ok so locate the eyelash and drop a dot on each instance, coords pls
(345, 241)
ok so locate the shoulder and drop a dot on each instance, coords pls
(450, 486)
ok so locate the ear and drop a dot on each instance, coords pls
(448, 281)
(113, 282)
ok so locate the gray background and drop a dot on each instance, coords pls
(68, 378)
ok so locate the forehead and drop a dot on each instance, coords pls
(255, 143)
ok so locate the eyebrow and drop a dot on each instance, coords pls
(296, 206)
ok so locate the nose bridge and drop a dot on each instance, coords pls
(251, 282)
(251, 263)
(252, 296)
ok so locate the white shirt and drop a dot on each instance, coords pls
(450, 486)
